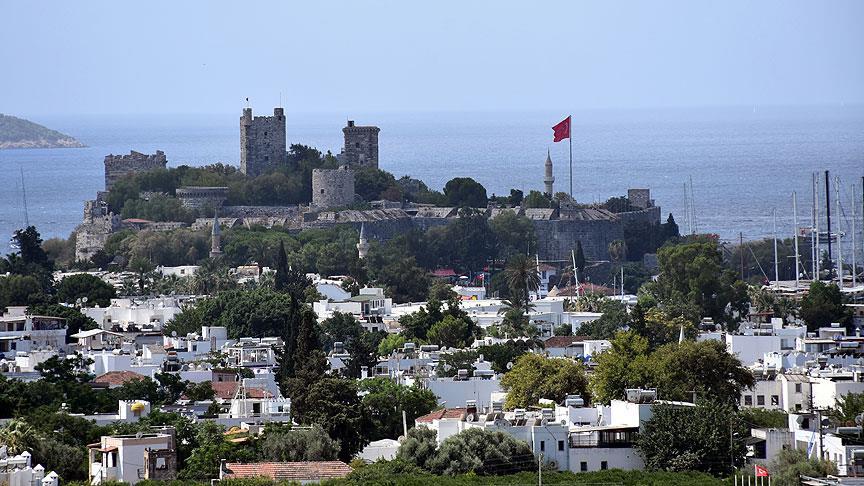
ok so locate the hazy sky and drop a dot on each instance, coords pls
(174, 56)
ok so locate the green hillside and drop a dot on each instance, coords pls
(20, 133)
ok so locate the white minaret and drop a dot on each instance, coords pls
(215, 238)
(363, 245)
(549, 179)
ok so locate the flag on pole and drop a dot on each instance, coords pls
(761, 471)
(561, 130)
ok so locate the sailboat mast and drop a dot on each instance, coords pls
(814, 227)
(24, 196)
(776, 262)
(828, 219)
(839, 241)
(854, 246)
(795, 236)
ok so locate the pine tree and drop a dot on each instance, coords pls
(580, 261)
(281, 281)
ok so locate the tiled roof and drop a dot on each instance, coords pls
(226, 390)
(444, 413)
(562, 341)
(289, 471)
(117, 378)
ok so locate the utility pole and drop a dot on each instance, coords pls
(540, 471)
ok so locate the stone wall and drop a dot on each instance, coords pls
(93, 232)
(332, 188)
(117, 166)
(262, 141)
(361, 145)
(198, 197)
(640, 198)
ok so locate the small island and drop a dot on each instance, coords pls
(17, 133)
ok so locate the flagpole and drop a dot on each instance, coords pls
(571, 154)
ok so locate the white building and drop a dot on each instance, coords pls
(131, 458)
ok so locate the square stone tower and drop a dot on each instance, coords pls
(117, 166)
(361, 145)
(262, 141)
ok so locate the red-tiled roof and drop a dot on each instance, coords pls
(562, 341)
(586, 288)
(444, 272)
(444, 413)
(117, 378)
(226, 390)
(289, 471)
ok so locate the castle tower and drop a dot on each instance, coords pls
(549, 179)
(215, 238)
(363, 245)
(262, 142)
(361, 145)
(332, 188)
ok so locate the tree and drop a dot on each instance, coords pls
(29, 244)
(451, 332)
(522, 277)
(257, 312)
(614, 319)
(465, 192)
(503, 354)
(846, 408)
(418, 447)
(281, 268)
(536, 199)
(390, 343)
(363, 352)
(20, 290)
(340, 327)
(823, 305)
(534, 377)
(790, 464)
(660, 328)
(686, 438)
(18, 436)
(624, 365)
(74, 287)
(704, 368)
(211, 448)
(482, 452)
(386, 401)
(199, 392)
(333, 404)
(284, 444)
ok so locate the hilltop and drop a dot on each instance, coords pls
(19, 133)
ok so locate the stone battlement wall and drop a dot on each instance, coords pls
(202, 197)
(117, 166)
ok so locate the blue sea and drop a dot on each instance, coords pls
(744, 162)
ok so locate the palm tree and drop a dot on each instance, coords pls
(522, 278)
(17, 435)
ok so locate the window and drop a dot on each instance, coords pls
(560, 445)
(760, 400)
(748, 401)
(604, 465)
(797, 387)
(583, 466)
(542, 446)
(797, 407)
(775, 400)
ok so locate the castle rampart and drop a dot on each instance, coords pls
(117, 166)
(332, 188)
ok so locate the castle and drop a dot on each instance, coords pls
(262, 142)
(117, 166)
(262, 147)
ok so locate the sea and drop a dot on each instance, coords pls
(744, 162)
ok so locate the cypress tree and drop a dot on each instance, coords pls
(281, 281)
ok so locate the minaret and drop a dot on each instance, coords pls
(215, 238)
(549, 179)
(363, 245)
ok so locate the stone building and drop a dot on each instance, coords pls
(200, 197)
(117, 166)
(93, 232)
(332, 188)
(262, 141)
(640, 198)
(361, 146)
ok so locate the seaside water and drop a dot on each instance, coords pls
(743, 161)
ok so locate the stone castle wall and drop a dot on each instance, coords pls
(332, 188)
(361, 145)
(117, 166)
(262, 141)
(92, 234)
(197, 197)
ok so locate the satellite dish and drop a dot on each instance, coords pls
(469, 418)
(859, 419)
(139, 435)
(510, 365)
(173, 333)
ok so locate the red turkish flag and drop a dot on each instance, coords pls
(562, 130)
(761, 471)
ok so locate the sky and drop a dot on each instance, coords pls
(113, 57)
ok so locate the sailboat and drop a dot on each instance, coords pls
(13, 243)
